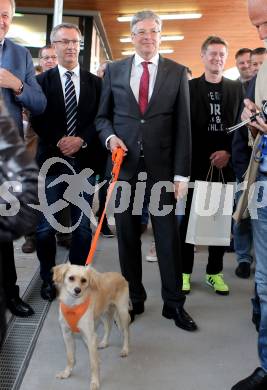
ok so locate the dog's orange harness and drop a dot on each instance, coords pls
(73, 314)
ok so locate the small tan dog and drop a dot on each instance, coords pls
(86, 296)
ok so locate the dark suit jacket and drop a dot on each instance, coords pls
(17, 59)
(241, 151)
(232, 97)
(163, 130)
(51, 125)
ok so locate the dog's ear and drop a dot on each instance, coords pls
(59, 272)
(93, 278)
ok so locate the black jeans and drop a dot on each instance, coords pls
(2, 306)
(9, 270)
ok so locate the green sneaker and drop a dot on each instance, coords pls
(217, 282)
(186, 283)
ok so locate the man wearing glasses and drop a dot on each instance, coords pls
(66, 130)
(47, 57)
(47, 60)
(144, 109)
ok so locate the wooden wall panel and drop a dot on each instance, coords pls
(226, 18)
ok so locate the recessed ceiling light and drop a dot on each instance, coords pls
(171, 16)
(166, 51)
(161, 51)
(163, 38)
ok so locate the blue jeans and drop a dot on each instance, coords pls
(45, 233)
(243, 240)
(259, 226)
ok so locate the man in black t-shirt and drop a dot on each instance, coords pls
(215, 103)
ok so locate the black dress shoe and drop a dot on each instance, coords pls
(256, 381)
(29, 245)
(19, 308)
(243, 270)
(137, 308)
(48, 291)
(181, 318)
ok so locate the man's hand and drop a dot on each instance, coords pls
(180, 189)
(115, 142)
(70, 145)
(249, 110)
(220, 158)
(8, 80)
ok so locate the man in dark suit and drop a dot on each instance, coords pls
(19, 89)
(66, 130)
(144, 109)
(215, 105)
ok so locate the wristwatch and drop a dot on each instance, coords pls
(84, 144)
(20, 90)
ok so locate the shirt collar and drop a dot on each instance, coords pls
(138, 59)
(63, 70)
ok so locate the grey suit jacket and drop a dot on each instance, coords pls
(18, 61)
(164, 129)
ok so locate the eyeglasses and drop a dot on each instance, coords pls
(66, 42)
(46, 58)
(142, 33)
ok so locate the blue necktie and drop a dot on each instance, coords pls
(70, 104)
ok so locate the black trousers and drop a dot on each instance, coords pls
(2, 306)
(215, 258)
(167, 243)
(9, 270)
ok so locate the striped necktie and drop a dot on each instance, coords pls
(70, 104)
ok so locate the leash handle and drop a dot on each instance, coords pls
(117, 159)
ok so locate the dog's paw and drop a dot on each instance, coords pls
(63, 374)
(94, 385)
(103, 344)
(124, 353)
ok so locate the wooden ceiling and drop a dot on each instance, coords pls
(225, 18)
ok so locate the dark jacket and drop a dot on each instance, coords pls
(16, 168)
(163, 131)
(51, 125)
(241, 151)
(202, 141)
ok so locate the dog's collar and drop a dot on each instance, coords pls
(73, 314)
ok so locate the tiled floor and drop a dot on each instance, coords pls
(162, 356)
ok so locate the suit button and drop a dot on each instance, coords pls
(143, 121)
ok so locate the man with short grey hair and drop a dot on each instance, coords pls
(144, 110)
(66, 130)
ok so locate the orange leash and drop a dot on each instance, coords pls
(117, 159)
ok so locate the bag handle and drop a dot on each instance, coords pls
(221, 176)
(210, 174)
